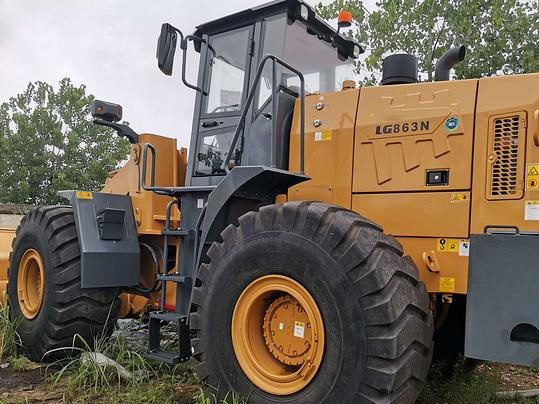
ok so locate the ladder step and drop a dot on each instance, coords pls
(171, 278)
(166, 316)
(177, 232)
(172, 358)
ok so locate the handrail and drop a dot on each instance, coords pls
(169, 191)
(275, 90)
(183, 46)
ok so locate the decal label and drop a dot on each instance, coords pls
(299, 329)
(532, 177)
(531, 210)
(453, 245)
(460, 197)
(322, 136)
(464, 249)
(406, 127)
(447, 285)
(84, 195)
(452, 123)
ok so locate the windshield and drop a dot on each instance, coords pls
(227, 71)
(315, 58)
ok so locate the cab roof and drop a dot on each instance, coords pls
(315, 24)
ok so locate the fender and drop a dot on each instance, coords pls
(109, 249)
(244, 189)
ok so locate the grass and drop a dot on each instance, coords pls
(204, 397)
(79, 379)
(463, 385)
(84, 379)
(8, 335)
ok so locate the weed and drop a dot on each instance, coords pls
(21, 363)
(8, 334)
(201, 397)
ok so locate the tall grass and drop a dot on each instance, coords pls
(206, 397)
(8, 335)
(81, 371)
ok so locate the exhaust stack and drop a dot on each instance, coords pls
(447, 61)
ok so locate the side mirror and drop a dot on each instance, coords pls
(166, 47)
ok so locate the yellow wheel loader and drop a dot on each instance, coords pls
(315, 234)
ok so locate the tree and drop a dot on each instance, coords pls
(501, 36)
(49, 143)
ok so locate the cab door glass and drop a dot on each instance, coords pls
(228, 71)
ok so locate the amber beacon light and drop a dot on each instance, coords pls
(344, 19)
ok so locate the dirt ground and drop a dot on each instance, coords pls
(26, 387)
(32, 387)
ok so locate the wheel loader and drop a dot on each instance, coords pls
(315, 234)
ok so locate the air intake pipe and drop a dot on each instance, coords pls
(447, 61)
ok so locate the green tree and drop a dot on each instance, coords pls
(48, 143)
(501, 36)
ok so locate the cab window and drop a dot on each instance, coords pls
(227, 71)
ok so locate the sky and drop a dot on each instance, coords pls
(108, 45)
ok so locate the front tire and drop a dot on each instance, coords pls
(377, 326)
(46, 251)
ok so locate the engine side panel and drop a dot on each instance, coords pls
(404, 130)
(506, 154)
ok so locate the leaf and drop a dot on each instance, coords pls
(48, 143)
(501, 35)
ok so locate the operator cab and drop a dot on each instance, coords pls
(231, 49)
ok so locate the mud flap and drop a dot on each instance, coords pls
(502, 314)
(110, 254)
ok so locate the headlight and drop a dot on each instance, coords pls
(304, 12)
(357, 51)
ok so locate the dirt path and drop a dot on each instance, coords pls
(26, 387)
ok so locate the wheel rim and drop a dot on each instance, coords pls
(278, 335)
(30, 283)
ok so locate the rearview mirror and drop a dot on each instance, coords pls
(166, 47)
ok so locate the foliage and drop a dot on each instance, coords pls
(466, 384)
(8, 334)
(49, 143)
(501, 36)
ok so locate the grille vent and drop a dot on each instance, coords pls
(506, 145)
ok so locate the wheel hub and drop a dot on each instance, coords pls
(287, 331)
(278, 335)
(30, 283)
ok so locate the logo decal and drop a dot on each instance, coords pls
(452, 123)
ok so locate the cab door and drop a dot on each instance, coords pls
(226, 79)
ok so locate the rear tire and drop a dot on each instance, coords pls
(377, 322)
(65, 310)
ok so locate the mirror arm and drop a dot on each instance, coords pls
(123, 130)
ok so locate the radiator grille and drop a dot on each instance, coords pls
(505, 146)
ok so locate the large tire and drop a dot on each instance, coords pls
(66, 310)
(377, 322)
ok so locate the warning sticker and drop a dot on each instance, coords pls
(460, 197)
(322, 136)
(531, 210)
(464, 248)
(532, 177)
(447, 285)
(447, 245)
(84, 195)
(299, 329)
(453, 245)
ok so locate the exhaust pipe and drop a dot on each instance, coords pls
(447, 61)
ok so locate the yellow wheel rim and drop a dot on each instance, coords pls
(31, 283)
(278, 335)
